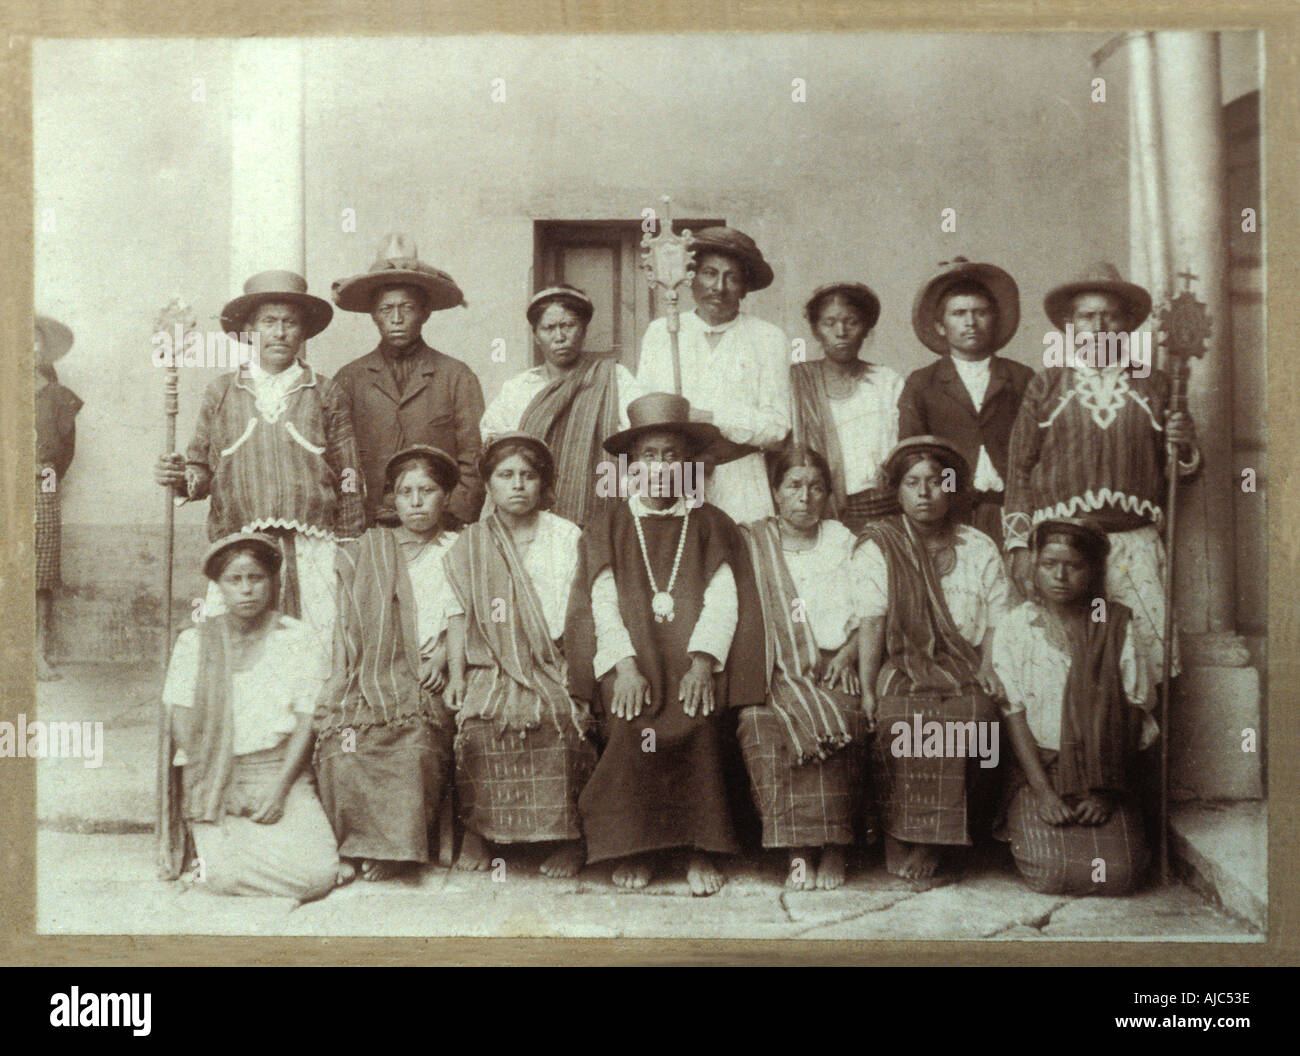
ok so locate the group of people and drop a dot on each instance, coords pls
(417, 601)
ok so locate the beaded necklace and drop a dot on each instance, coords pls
(661, 601)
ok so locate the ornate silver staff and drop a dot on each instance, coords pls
(1186, 326)
(175, 320)
(668, 260)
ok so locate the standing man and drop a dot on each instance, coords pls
(273, 449)
(404, 392)
(1090, 443)
(970, 396)
(735, 368)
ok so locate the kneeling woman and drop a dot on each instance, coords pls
(802, 747)
(523, 750)
(383, 748)
(240, 689)
(1078, 699)
(931, 592)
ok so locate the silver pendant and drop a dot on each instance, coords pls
(662, 606)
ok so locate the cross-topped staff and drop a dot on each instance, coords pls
(668, 261)
(1186, 326)
(174, 322)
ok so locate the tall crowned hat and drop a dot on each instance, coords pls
(1101, 277)
(279, 287)
(398, 264)
(929, 299)
(664, 412)
(56, 338)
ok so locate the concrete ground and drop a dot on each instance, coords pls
(95, 875)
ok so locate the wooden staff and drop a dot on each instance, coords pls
(174, 322)
(667, 260)
(1186, 326)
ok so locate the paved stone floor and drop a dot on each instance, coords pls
(95, 876)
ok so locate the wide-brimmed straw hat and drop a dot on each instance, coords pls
(664, 412)
(56, 338)
(264, 544)
(1091, 539)
(277, 287)
(736, 244)
(569, 296)
(398, 264)
(862, 297)
(1001, 286)
(938, 448)
(446, 470)
(1101, 277)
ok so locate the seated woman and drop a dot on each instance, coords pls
(802, 747)
(240, 689)
(522, 747)
(846, 408)
(383, 738)
(573, 401)
(1078, 697)
(931, 592)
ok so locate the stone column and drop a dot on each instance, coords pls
(267, 152)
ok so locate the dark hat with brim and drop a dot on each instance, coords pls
(568, 296)
(446, 470)
(56, 338)
(929, 299)
(536, 445)
(862, 297)
(937, 448)
(664, 412)
(1102, 277)
(398, 264)
(1090, 539)
(263, 544)
(277, 287)
(738, 245)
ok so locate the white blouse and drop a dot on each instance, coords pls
(866, 422)
(433, 594)
(267, 698)
(825, 581)
(551, 562)
(975, 590)
(1033, 668)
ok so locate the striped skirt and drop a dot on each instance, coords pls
(514, 788)
(49, 528)
(937, 799)
(809, 805)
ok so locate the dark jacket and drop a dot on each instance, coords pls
(442, 405)
(935, 403)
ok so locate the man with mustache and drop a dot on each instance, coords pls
(735, 368)
(970, 397)
(404, 392)
(273, 449)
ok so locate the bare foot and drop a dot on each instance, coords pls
(376, 869)
(802, 875)
(475, 855)
(924, 861)
(568, 858)
(897, 856)
(634, 872)
(703, 874)
(832, 868)
(345, 873)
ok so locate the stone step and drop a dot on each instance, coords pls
(1224, 849)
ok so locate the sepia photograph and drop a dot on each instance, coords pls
(728, 486)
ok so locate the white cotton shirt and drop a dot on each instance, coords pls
(504, 413)
(866, 423)
(433, 594)
(1034, 669)
(551, 561)
(743, 382)
(713, 631)
(265, 700)
(975, 590)
(825, 581)
(975, 376)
